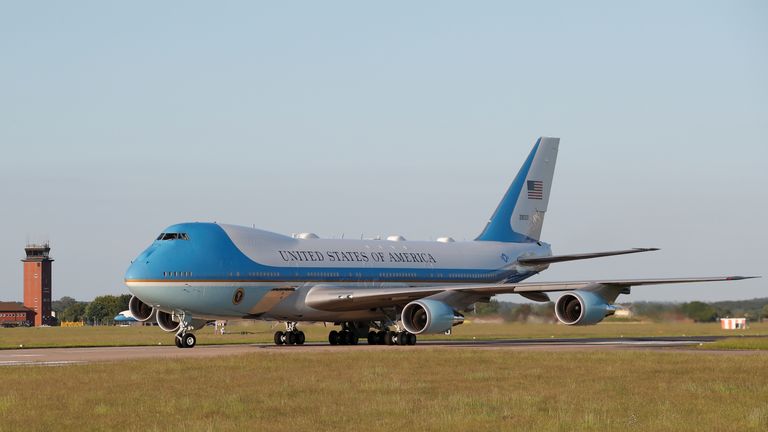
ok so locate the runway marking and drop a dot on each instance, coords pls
(39, 363)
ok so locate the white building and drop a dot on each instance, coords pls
(733, 323)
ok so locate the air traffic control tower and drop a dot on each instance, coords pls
(37, 281)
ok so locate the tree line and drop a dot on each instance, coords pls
(99, 311)
(754, 309)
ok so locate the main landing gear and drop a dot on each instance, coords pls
(386, 337)
(343, 337)
(351, 333)
(291, 335)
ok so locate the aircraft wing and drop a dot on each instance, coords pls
(337, 299)
(574, 257)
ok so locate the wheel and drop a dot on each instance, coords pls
(402, 338)
(343, 335)
(411, 339)
(380, 337)
(333, 337)
(188, 340)
(279, 338)
(178, 342)
(373, 338)
(389, 338)
(352, 338)
(300, 338)
(290, 338)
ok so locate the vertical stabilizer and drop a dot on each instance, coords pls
(520, 214)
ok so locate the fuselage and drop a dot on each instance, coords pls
(226, 271)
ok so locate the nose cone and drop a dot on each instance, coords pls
(137, 270)
(140, 268)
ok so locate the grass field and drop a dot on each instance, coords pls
(261, 332)
(436, 389)
(760, 343)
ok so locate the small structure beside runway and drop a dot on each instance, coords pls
(733, 323)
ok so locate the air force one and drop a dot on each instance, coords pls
(386, 290)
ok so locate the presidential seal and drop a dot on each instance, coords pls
(238, 297)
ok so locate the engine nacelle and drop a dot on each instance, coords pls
(170, 322)
(582, 308)
(166, 322)
(140, 310)
(429, 316)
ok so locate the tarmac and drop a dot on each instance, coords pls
(68, 356)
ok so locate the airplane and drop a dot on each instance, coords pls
(386, 290)
(124, 317)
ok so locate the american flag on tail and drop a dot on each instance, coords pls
(535, 189)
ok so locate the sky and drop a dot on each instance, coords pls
(362, 118)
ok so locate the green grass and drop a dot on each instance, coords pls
(753, 343)
(261, 332)
(402, 389)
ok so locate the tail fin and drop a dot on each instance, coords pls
(520, 214)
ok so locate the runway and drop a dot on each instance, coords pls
(67, 356)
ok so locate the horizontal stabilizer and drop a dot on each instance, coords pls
(574, 257)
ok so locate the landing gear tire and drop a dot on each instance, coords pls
(389, 338)
(188, 340)
(178, 342)
(333, 337)
(411, 339)
(290, 338)
(402, 338)
(373, 338)
(300, 338)
(380, 337)
(352, 338)
(279, 338)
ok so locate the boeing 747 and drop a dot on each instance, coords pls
(387, 291)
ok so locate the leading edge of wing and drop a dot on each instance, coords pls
(337, 299)
(573, 257)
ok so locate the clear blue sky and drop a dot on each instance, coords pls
(117, 120)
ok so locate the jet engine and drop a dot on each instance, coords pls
(166, 321)
(582, 308)
(140, 310)
(170, 322)
(429, 316)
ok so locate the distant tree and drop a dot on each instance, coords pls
(522, 312)
(62, 304)
(699, 311)
(103, 308)
(764, 312)
(489, 308)
(76, 312)
(122, 302)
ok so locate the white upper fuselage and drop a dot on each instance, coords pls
(192, 261)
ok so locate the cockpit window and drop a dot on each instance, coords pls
(173, 236)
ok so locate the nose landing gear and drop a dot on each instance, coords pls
(187, 340)
(184, 337)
